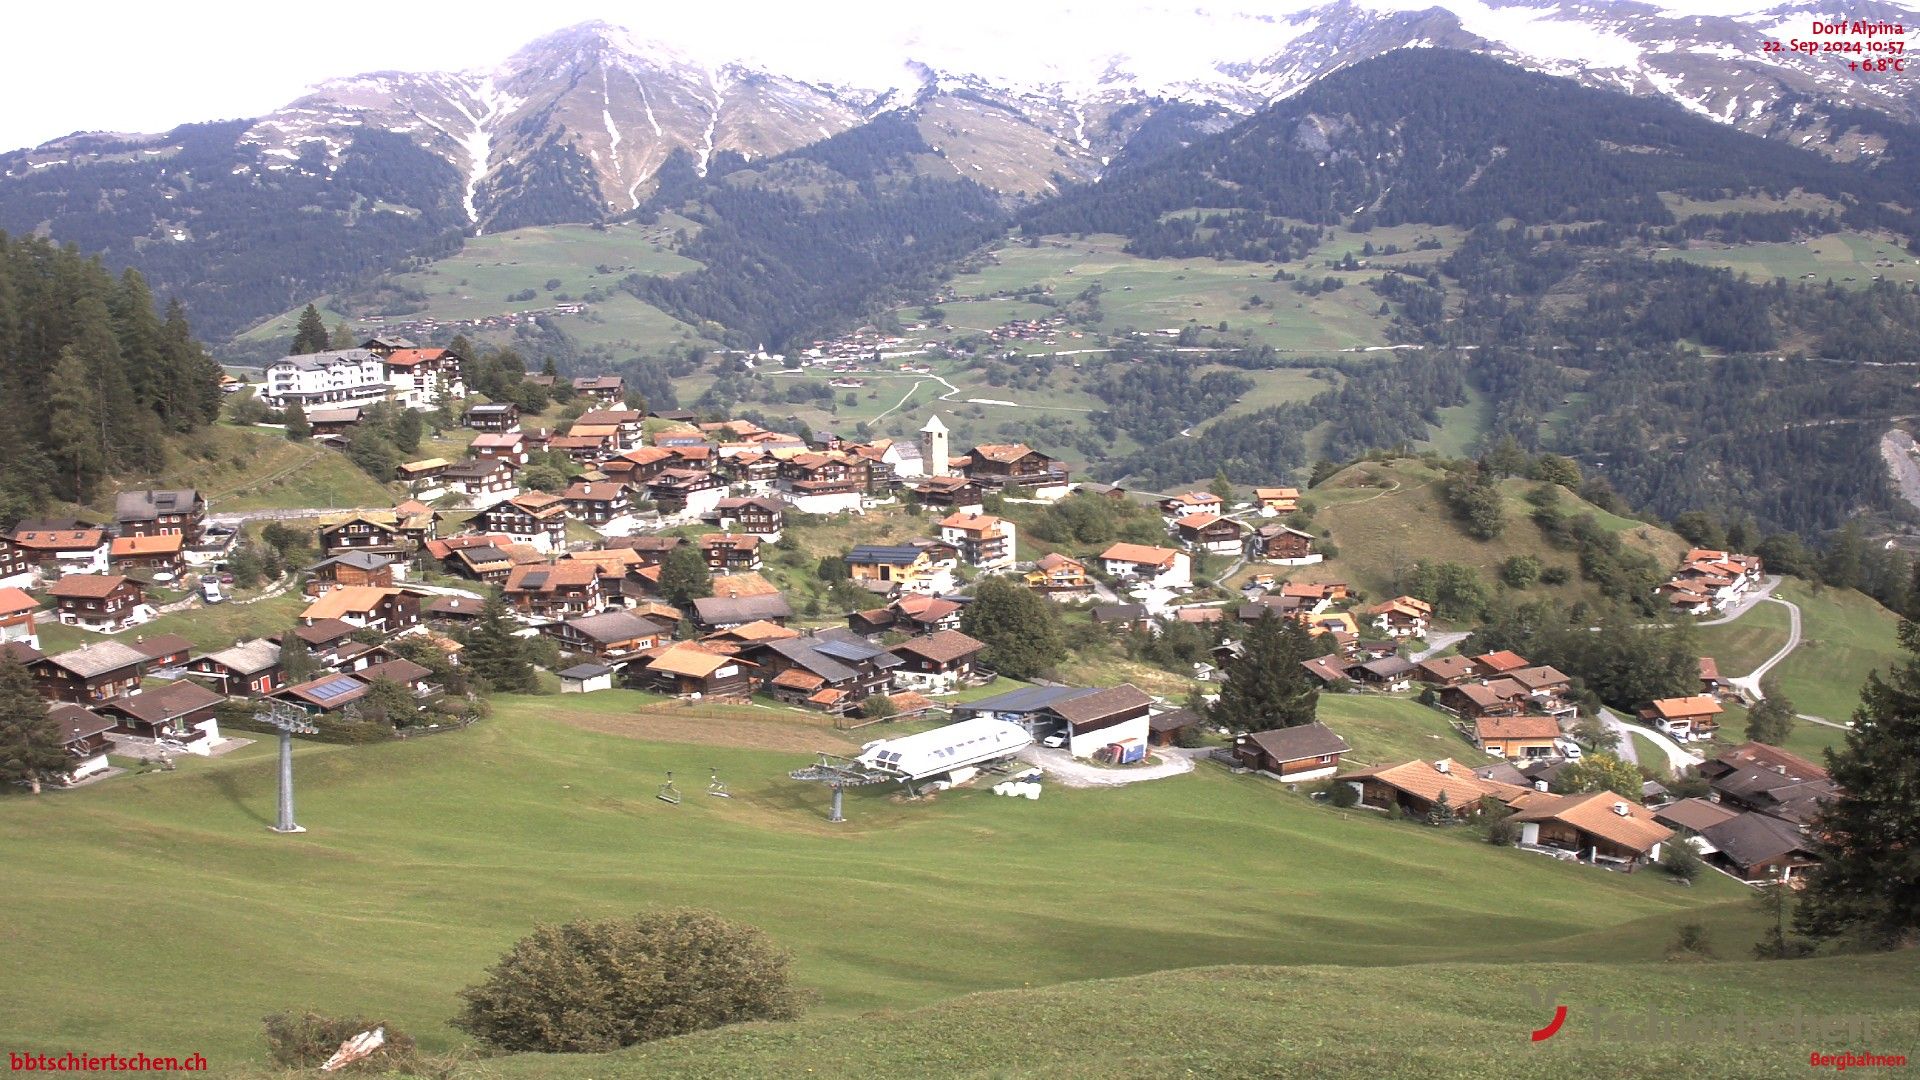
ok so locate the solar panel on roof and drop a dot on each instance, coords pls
(535, 580)
(333, 688)
(845, 650)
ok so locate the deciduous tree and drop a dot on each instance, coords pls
(1020, 629)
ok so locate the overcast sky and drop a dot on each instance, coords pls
(117, 66)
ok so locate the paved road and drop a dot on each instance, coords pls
(1745, 603)
(238, 516)
(1750, 682)
(1439, 643)
(1678, 759)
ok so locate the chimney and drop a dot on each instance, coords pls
(1622, 809)
(1443, 765)
(1539, 785)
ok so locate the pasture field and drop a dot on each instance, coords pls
(1848, 257)
(427, 857)
(1159, 294)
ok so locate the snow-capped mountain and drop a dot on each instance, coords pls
(577, 124)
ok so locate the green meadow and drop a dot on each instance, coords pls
(156, 910)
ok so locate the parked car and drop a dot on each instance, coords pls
(211, 592)
(1568, 749)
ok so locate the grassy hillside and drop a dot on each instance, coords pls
(1386, 516)
(239, 468)
(1747, 642)
(1442, 1021)
(426, 858)
(473, 286)
(1844, 635)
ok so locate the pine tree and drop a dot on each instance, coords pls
(1266, 685)
(684, 576)
(31, 749)
(311, 334)
(494, 655)
(295, 418)
(342, 336)
(1868, 879)
(1020, 628)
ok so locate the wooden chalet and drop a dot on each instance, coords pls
(156, 558)
(349, 568)
(375, 531)
(998, 466)
(104, 603)
(1601, 827)
(501, 416)
(1292, 754)
(178, 512)
(1281, 544)
(688, 668)
(597, 504)
(182, 712)
(83, 738)
(1207, 531)
(90, 675)
(939, 663)
(534, 517)
(248, 669)
(554, 590)
(612, 637)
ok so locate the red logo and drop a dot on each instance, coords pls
(1552, 1028)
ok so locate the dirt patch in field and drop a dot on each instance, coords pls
(778, 731)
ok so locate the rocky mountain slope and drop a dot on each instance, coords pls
(577, 125)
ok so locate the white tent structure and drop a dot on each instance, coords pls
(943, 750)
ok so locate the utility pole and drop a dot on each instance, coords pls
(289, 721)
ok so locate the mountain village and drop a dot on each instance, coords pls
(585, 568)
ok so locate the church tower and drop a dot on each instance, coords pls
(934, 454)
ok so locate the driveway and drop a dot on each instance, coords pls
(1678, 759)
(1066, 770)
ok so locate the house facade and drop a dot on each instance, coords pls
(1156, 566)
(103, 603)
(984, 542)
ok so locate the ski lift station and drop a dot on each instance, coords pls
(966, 745)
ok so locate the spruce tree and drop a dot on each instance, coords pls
(1868, 880)
(1266, 685)
(31, 749)
(494, 655)
(342, 336)
(684, 576)
(311, 335)
(1020, 628)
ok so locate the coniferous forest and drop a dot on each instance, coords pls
(92, 378)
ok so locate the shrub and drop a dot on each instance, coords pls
(590, 987)
(1341, 794)
(1679, 859)
(1503, 833)
(305, 1040)
(1690, 942)
(1555, 575)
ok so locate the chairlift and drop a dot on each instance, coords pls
(717, 787)
(668, 793)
